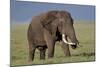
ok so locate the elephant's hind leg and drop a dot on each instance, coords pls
(42, 52)
(32, 49)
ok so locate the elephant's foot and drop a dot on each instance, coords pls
(42, 57)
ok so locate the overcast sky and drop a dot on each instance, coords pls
(23, 11)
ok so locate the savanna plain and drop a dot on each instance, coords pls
(85, 32)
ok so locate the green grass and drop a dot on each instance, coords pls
(85, 32)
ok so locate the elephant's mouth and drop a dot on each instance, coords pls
(63, 38)
(73, 45)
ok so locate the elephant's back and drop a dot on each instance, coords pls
(35, 31)
(37, 28)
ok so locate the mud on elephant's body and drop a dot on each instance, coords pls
(47, 28)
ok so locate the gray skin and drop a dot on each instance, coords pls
(46, 29)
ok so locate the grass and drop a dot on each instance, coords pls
(85, 32)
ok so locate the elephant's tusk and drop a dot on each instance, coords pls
(64, 39)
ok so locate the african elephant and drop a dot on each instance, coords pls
(47, 28)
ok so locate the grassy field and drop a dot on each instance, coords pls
(85, 33)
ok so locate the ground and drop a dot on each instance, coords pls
(85, 32)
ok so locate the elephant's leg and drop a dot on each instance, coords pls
(42, 52)
(65, 48)
(31, 51)
(50, 51)
(50, 43)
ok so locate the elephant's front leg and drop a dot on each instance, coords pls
(51, 50)
(50, 43)
(65, 48)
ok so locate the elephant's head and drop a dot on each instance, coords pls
(62, 21)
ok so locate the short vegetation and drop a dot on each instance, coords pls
(85, 32)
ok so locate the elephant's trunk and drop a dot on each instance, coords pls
(65, 41)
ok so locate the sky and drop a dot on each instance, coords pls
(23, 11)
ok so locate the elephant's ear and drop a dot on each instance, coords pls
(67, 15)
(49, 17)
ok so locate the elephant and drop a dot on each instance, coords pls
(46, 29)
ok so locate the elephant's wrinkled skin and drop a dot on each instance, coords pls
(47, 28)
